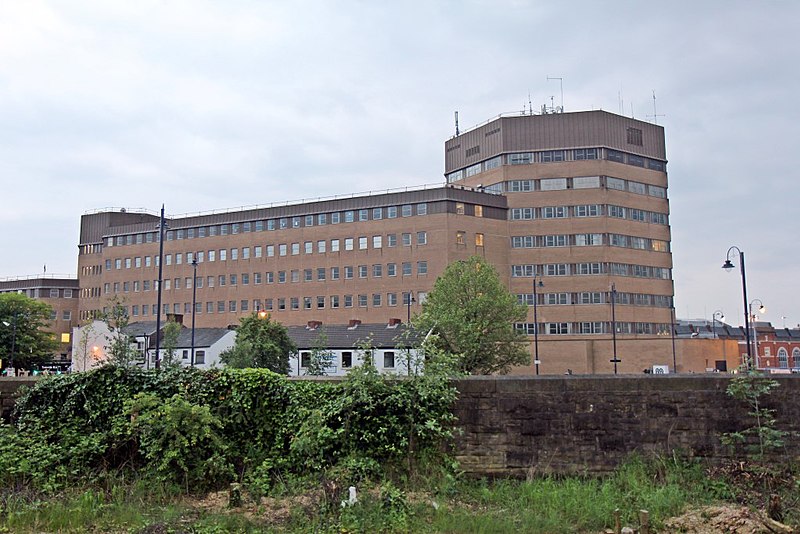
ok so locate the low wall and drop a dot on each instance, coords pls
(515, 426)
(8, 393)
(572, 424)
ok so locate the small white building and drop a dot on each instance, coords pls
(91, 342)
(347, 345)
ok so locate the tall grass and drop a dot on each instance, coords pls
(549, 505)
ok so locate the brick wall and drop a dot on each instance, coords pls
(571, 424)
(8, 393)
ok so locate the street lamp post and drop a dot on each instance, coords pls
(672, 334)
(615, 360)
(409, 300)
(714, 322)
(194, 301)
(161, 228)
(761, 309)
(728, 265)
(536, 360)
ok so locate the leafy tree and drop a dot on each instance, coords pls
(120, 349)
(23, 335)
(320, 356)
(260, 342)
(473, 314)
(171, 332)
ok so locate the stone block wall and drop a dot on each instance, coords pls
(8, 393)
(571, 424)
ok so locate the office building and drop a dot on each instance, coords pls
(576, 200)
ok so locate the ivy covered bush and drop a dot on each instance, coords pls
(200, 430)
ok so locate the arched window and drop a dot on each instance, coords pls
(783, 358)
(796, 357)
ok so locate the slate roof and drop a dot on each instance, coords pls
(341, 336)
(142, 328)
(203, 337)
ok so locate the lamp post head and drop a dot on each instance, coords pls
(728, 265)
(262, 314)
(540, 284)
(194, 262)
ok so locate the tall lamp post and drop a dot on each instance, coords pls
(728, 265)
(536, 360)
(194, 301)
(614, 360)
(761, 309)
(672, 335)
(162, 226)
(714, 322)
(409, 300)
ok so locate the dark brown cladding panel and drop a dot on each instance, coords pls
(528, 133)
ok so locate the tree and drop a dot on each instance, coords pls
(260, 342)
(473, 314)
(320, 357)
(120, 349)
(23, 331)
(171, 332)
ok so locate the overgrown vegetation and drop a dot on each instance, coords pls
(260, 342)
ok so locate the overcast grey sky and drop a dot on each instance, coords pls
(206, 105)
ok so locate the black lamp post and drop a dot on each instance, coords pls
(728, 265)
(672, 334)
(409, 300)
(536, 360)
(161, 231)
(761, 309)
(714, 322)
(194, 301)
(615, 360)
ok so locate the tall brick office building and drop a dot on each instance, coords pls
(578, 200)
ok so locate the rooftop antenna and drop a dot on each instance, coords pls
(655, 114)
(561, 83)
(530, 106)
(620, 102)
(632, 111)
(457, 132)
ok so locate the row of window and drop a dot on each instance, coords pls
(389, 359)
(594, 327)
(595, 297)
(588, 240)
(590, 268)
(321, 219)
(319, 274)
(783, 358)
(320, 302)
(578, 182)
(588, 210)
(556, 156)
(321, 246)
(43, 293)
(66, 315)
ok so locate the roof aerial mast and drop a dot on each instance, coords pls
(561, 83)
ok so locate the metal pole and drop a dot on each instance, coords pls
(672, 333)
(13, 345)
(194, 302)
(535, 328)
(408, 307)
(614, 324)
(160, 280)
(746, 310)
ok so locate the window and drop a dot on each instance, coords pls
(391, 269)
(233, 280)
(362, 271)
(422, 209)
(347, 360)
(321, 246)
(521, 214)
(320, 302)
(306, 303)
(391, 212)
(655, 191)
(587, 240)
(349, 216)
(376, 300)
(522, 241)
(552, 184)
(54, 293)
(377, 270)
(336, 218)
(556, 298)
(362, 301)
(391, 299)
(616, 211)
(478, 240)
(334, 273)
(422, 267)
(388, 360)
(391, 240)
(348, 243)
(636, 187)
(406, 239)
(199, 356)
(556, 269)
(591, 297)
(294, 302)
(557, 328)
(422, 238)
(587, 210)
(555, 240)
(551, 156)
(334, 301)
(377, 241)
(614, 155)
(270, 277)
(334, 245)
(589, 268)
(584, 153)
(362, 243)
(406, 268)
(634, 136)
(520, 159)
(520, 186)
(308, 275)
(554, 212)
(348, 301)
(586, 182)
(308, 247)
(295, 249)
(406, 210)
(377, 214)
(294, 275)
(223, 254)
(615, 183)
(320, 274)
(348, 272)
